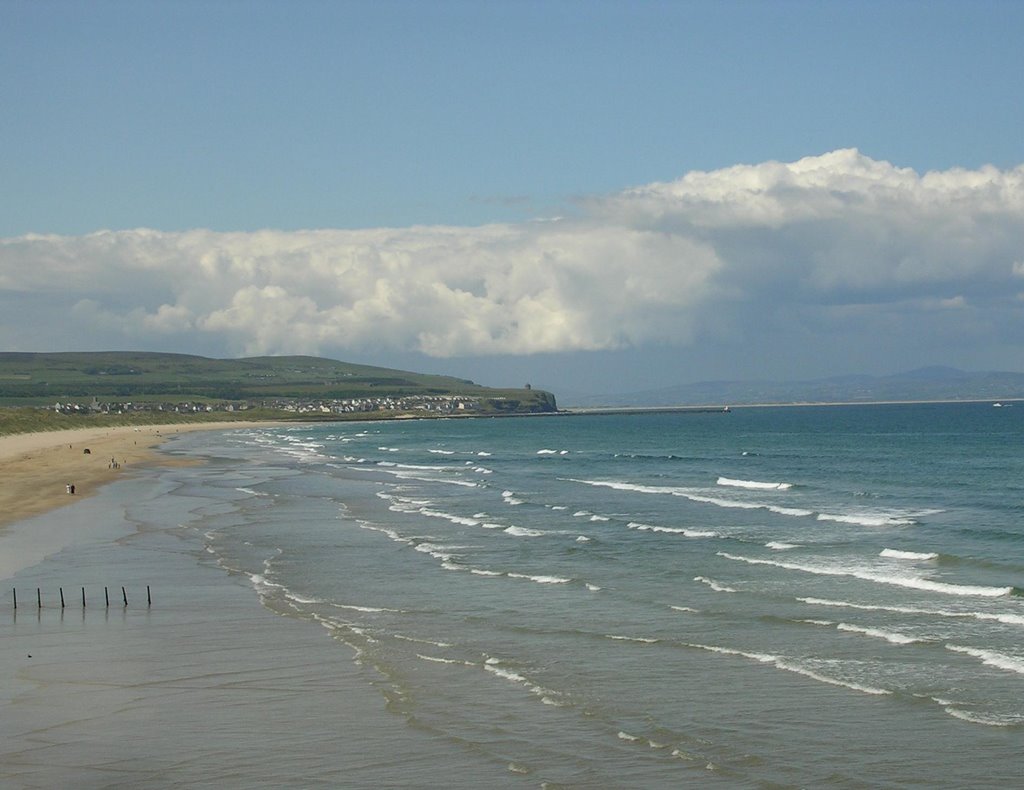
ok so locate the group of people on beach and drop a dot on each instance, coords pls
(70, 488)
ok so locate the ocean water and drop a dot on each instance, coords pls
(772, 597)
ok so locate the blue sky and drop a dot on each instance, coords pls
(240, 117)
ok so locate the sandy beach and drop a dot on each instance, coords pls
(37, 468)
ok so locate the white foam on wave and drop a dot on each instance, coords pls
(438, 551)
(593, 587)
(802, 670)
(263, 587)
(413, 474)
(640, 639)
(420, 640)
(728, 503)
(867, 519)
(547, 696)
(889, 636)
(437, 660)
(684, 609)
(799, 512)
(454, 519)
(304, 450)
(778, 545)
(913, 582)
(716, 586)
(262, 584)
(1008, 619)
(293, 596)
(481, 572)
(390, 533)
(444, 553)
(510, 498)
(783, 663)
(908, 555)
(599, 518)
(992, 658)
(981, 718)
(442, 452)
(755, 484)
(401, 504)
(539, 579)
(696, 495)
(688, 533)
(366, 609)
(582, 539)
(524, 532)
(621, 486)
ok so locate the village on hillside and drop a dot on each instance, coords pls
(423, 404)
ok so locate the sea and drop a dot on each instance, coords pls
(761, 597)
(769, 597)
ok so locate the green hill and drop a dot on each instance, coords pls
(326, 388)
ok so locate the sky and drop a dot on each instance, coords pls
(593, 197)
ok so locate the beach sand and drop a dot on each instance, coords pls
(37, 468)
(203, 687)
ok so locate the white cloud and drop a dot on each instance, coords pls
(710, 255)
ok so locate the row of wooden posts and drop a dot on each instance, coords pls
(106, 597)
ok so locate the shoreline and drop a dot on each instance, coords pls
(207, 686)
(37, 468)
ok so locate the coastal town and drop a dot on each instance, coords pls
(428, 405)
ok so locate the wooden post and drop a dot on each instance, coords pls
(15, 597)
(39, 598)
(83, 597)
(149, 597)
(61, 597)
(124, 595)
(106, 596)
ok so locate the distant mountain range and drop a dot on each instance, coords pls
(930, 383)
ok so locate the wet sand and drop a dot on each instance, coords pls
(37, 468)
(203, 687)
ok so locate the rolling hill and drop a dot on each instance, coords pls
(44, 379)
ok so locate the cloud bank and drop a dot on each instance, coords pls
(825, 245)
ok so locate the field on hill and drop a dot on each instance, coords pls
(150, 387)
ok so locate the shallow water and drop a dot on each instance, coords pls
(769, 596)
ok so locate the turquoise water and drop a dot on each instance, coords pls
(767, 597)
